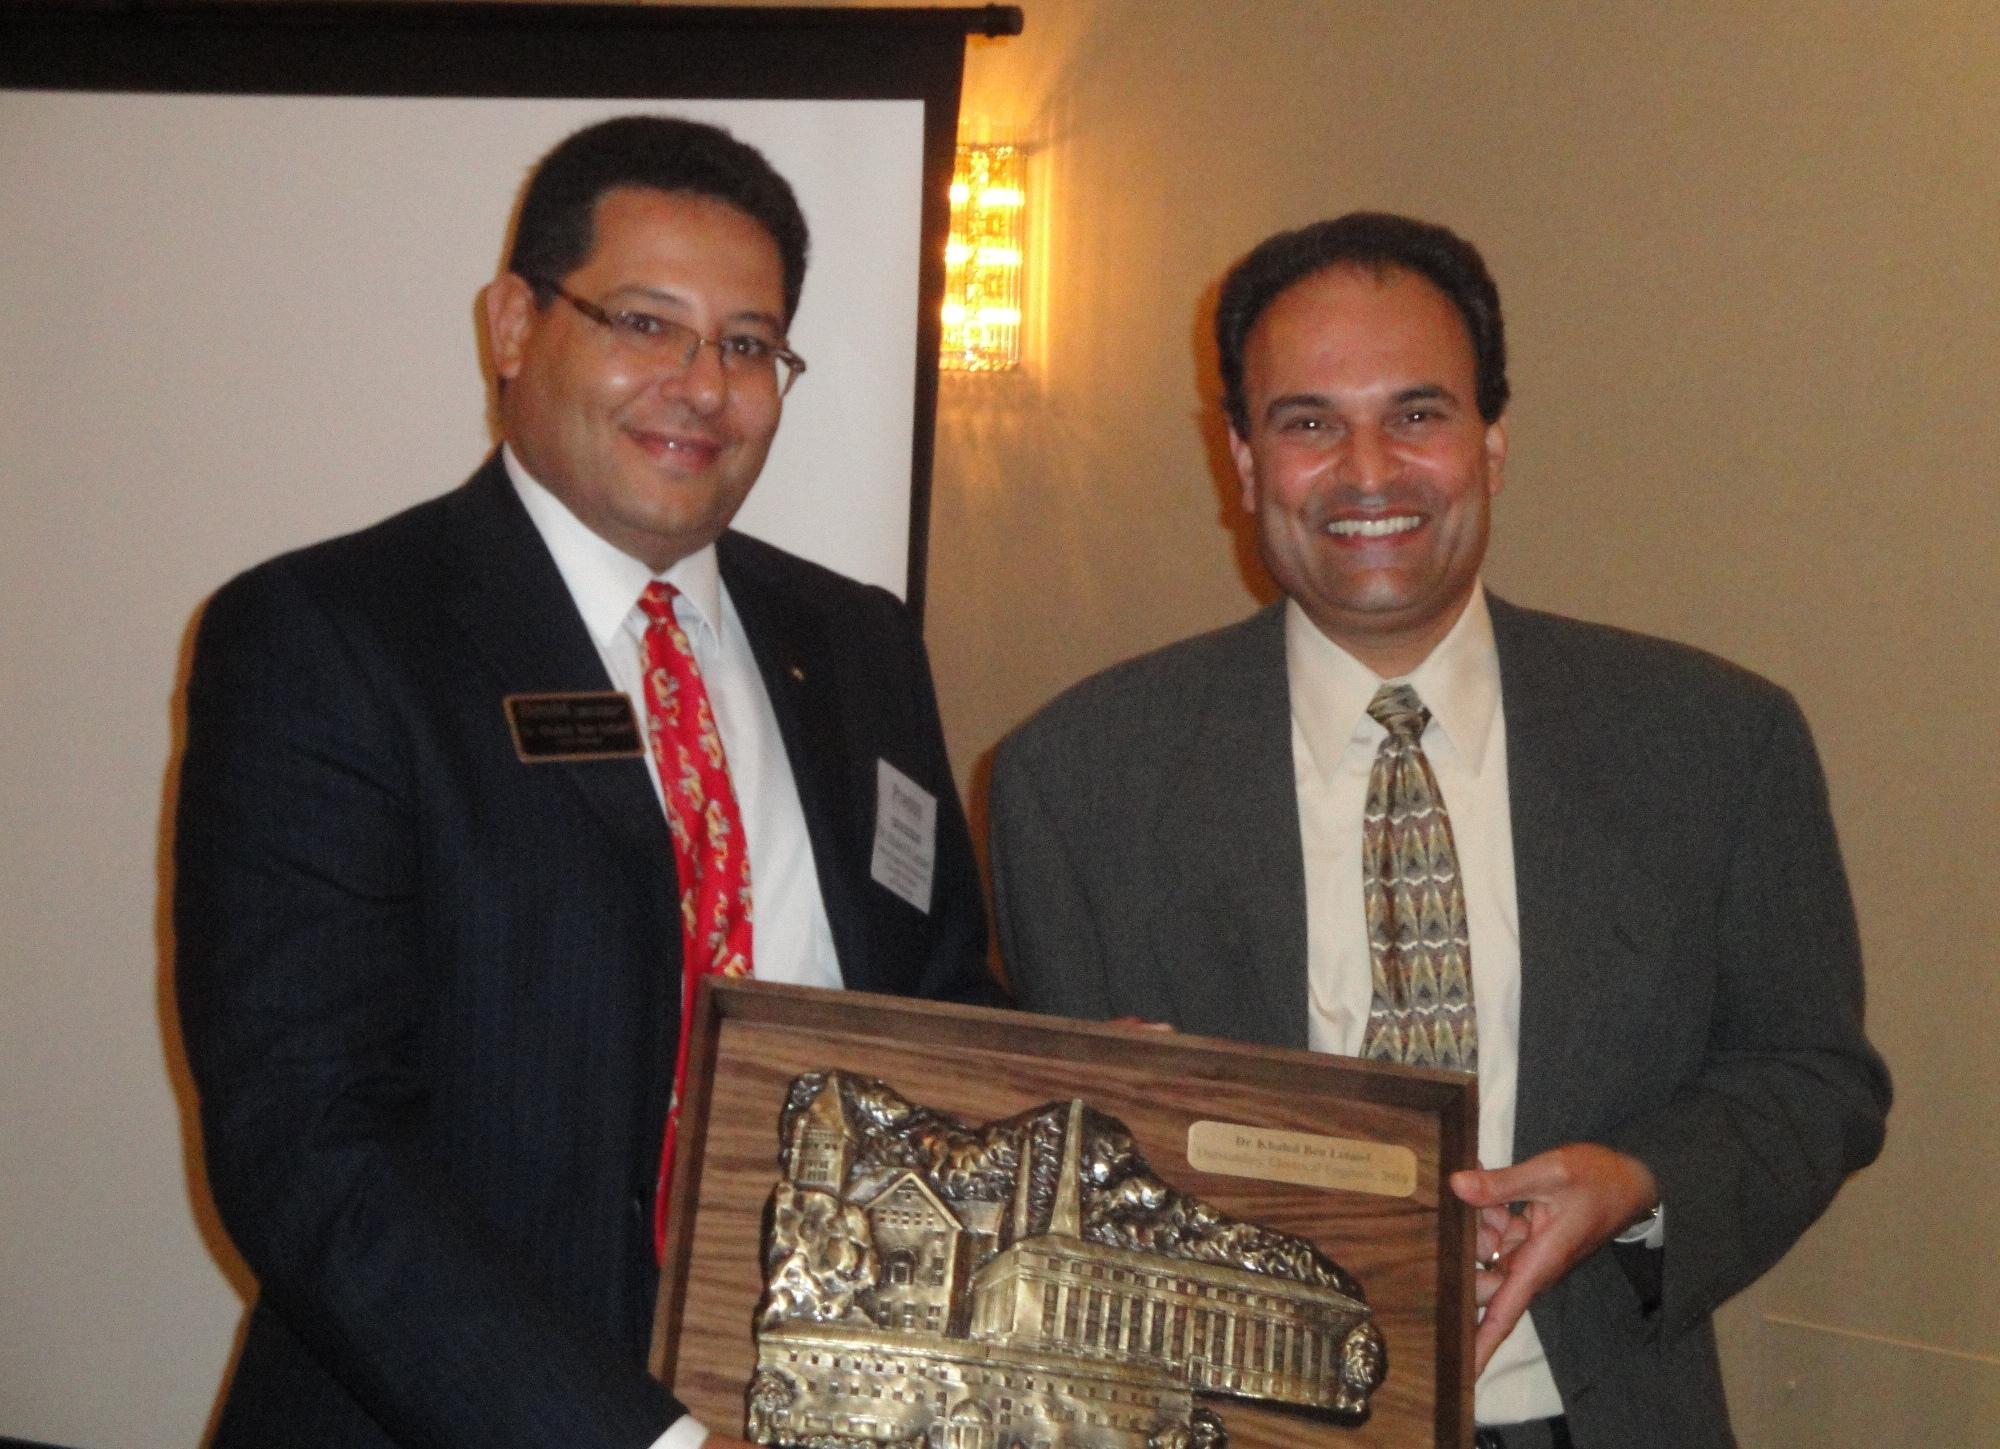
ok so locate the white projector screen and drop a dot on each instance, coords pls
(237, 324)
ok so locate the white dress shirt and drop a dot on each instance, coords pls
(1333, 749)
(790, 938)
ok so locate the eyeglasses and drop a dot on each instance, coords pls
(745, 357)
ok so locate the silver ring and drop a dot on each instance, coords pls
(1492, 1261)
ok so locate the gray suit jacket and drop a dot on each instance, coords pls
(1691, 976)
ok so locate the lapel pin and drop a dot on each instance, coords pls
(798, 674)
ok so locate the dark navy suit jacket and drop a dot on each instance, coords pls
(431, 993)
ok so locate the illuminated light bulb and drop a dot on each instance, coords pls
(985, 261)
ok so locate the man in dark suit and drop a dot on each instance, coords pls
(428, 908)
(1664, 970)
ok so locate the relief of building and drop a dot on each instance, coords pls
(1025, 1283)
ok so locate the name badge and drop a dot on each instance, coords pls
(905, 836)
(548, 728)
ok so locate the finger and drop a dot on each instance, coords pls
(1497, 1187)
(1533, 1262)
(1503, 1310)
(1473, 1186)
(1486, 1246)
(1485, 1283)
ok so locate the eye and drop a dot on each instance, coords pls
(1423, 415)
(746, 347)
(639, 325)
(1314, 430)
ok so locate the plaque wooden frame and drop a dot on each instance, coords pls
(1412, 1254)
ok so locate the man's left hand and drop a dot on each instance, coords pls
(1570, 1201)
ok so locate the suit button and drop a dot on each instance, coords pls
(638, 1208)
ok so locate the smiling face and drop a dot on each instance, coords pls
(652, 457)
(1367, 465)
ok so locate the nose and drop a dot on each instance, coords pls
(701, 383)
(1365, 462)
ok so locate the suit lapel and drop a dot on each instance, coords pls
(1234, 811)
(793, 658)
(503, 589)
(1565, 869)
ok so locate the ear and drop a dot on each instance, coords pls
(509, 303)
(1246, 470)
(1496, 454)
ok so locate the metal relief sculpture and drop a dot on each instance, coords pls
(1026, 1283)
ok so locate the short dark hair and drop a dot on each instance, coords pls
(1375, 241)
(555, 231)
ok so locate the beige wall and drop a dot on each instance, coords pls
(1748, 257)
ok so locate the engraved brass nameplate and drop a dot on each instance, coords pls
(1304, 1158)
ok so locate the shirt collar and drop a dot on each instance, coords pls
(604, 580)
(1459, 682)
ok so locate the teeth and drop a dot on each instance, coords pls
(1373, 527)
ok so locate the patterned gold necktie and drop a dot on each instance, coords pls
(710, 852)
(1418, 950)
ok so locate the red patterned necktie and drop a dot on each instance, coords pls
(710, 852)
(1422, 958)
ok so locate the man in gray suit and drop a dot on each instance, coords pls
(1664, 968)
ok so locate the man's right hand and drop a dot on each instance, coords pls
(1571, 1200)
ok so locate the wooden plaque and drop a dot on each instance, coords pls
(1253, 1110)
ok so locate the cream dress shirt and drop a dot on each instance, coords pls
(1333, 748)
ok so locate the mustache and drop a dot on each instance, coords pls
(1378, 501)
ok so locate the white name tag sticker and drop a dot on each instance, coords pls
(905, 836)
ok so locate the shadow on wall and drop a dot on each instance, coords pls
(1213, 425)
(201, 1203)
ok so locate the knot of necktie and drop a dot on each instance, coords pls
(656, 602)
(1397, 709)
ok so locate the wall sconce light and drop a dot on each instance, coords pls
(982, 289)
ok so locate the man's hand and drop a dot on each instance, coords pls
(723, 1441)
(1540, 1218)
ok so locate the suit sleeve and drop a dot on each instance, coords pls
(1790, 1097)
(1048, 928)
(301, 975)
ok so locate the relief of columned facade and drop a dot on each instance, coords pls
(1025, 1283)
